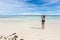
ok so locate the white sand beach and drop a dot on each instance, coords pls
(31, 30)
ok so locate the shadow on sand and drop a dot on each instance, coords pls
(35, 28)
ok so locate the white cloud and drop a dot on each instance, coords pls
(19, 6)
(50, 2)
(26, 13)
(1, 12)
(8, 6)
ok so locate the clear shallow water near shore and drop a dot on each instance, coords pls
(28, 17)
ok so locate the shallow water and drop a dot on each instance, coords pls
(30, 17)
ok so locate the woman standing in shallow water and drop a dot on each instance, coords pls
(43, 21)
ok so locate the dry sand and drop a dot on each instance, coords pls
(31, 30)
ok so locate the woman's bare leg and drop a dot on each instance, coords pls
(42, 25)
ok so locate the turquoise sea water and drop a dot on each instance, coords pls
(28, 17)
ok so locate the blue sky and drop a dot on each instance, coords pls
(29, 7)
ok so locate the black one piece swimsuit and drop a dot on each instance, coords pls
(43, 20)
